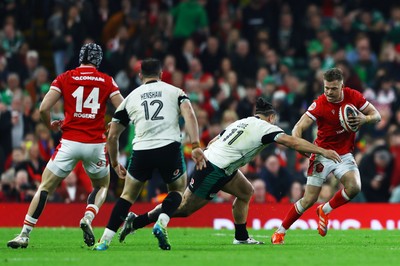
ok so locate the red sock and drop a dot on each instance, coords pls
(339, 199)
(291, 217)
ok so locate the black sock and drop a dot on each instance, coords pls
(241, 232)
(171, 203)
(141, 221)
(41, 204)
(118, 214)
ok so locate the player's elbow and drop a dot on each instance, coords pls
(297, 132)
(378, 117)
(112, 138)
(291, 142)
(44, 109)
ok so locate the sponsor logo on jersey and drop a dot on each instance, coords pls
(333, 111)
(82, 115)
(88, 78)
(191, 182)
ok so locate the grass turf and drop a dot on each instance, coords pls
(206, 247)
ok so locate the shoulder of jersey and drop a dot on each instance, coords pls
(169, 85)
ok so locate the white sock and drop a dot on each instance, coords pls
(107, 235)
(327, 208)
(29, 223)
(91, 211)
(163, 219)
(281, 230)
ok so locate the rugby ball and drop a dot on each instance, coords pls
(346, 111)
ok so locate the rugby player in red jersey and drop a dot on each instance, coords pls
(85, 92)
(331, 135)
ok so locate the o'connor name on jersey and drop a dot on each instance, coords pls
(149, 95)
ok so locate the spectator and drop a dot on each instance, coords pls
(260, 193)
(188, 18)
(255, 16)
(277, 178)
(375, 170)
(45, 142)
(185, 55)
(231, 87)
(59, 41)
(169, 67)
(25, 188)
(10, 40)
(69, 190)
(197, 81)
(211, 55)
(39, 85)
(30, 65)
(243, 62)
(351, 78)
(296, 192)
(288, 37)
(33, 164)
(394, 142)
(246, 105)
(5, 135)
(12, 88)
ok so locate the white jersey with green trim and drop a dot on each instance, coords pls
(154, 109)
(241, 142)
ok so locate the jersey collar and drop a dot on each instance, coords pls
(151, 81)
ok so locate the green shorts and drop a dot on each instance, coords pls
(207, 182)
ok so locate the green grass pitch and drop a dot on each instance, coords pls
(206, 247)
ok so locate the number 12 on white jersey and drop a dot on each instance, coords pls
(92, 101)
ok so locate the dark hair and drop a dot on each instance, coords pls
(264, 108)
(151, 67)
(333, 74)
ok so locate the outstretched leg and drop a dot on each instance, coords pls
(48, 185)
(190, 203)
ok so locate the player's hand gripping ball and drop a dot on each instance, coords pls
(346, 111)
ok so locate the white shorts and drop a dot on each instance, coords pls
(68, 153)
(320, 168)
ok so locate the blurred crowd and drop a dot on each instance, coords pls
(223, 54)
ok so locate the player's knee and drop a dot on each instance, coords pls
(307, 202)
(126, 195)
(182, 212)
(353, 190)
(92, 196)
(249, 192)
